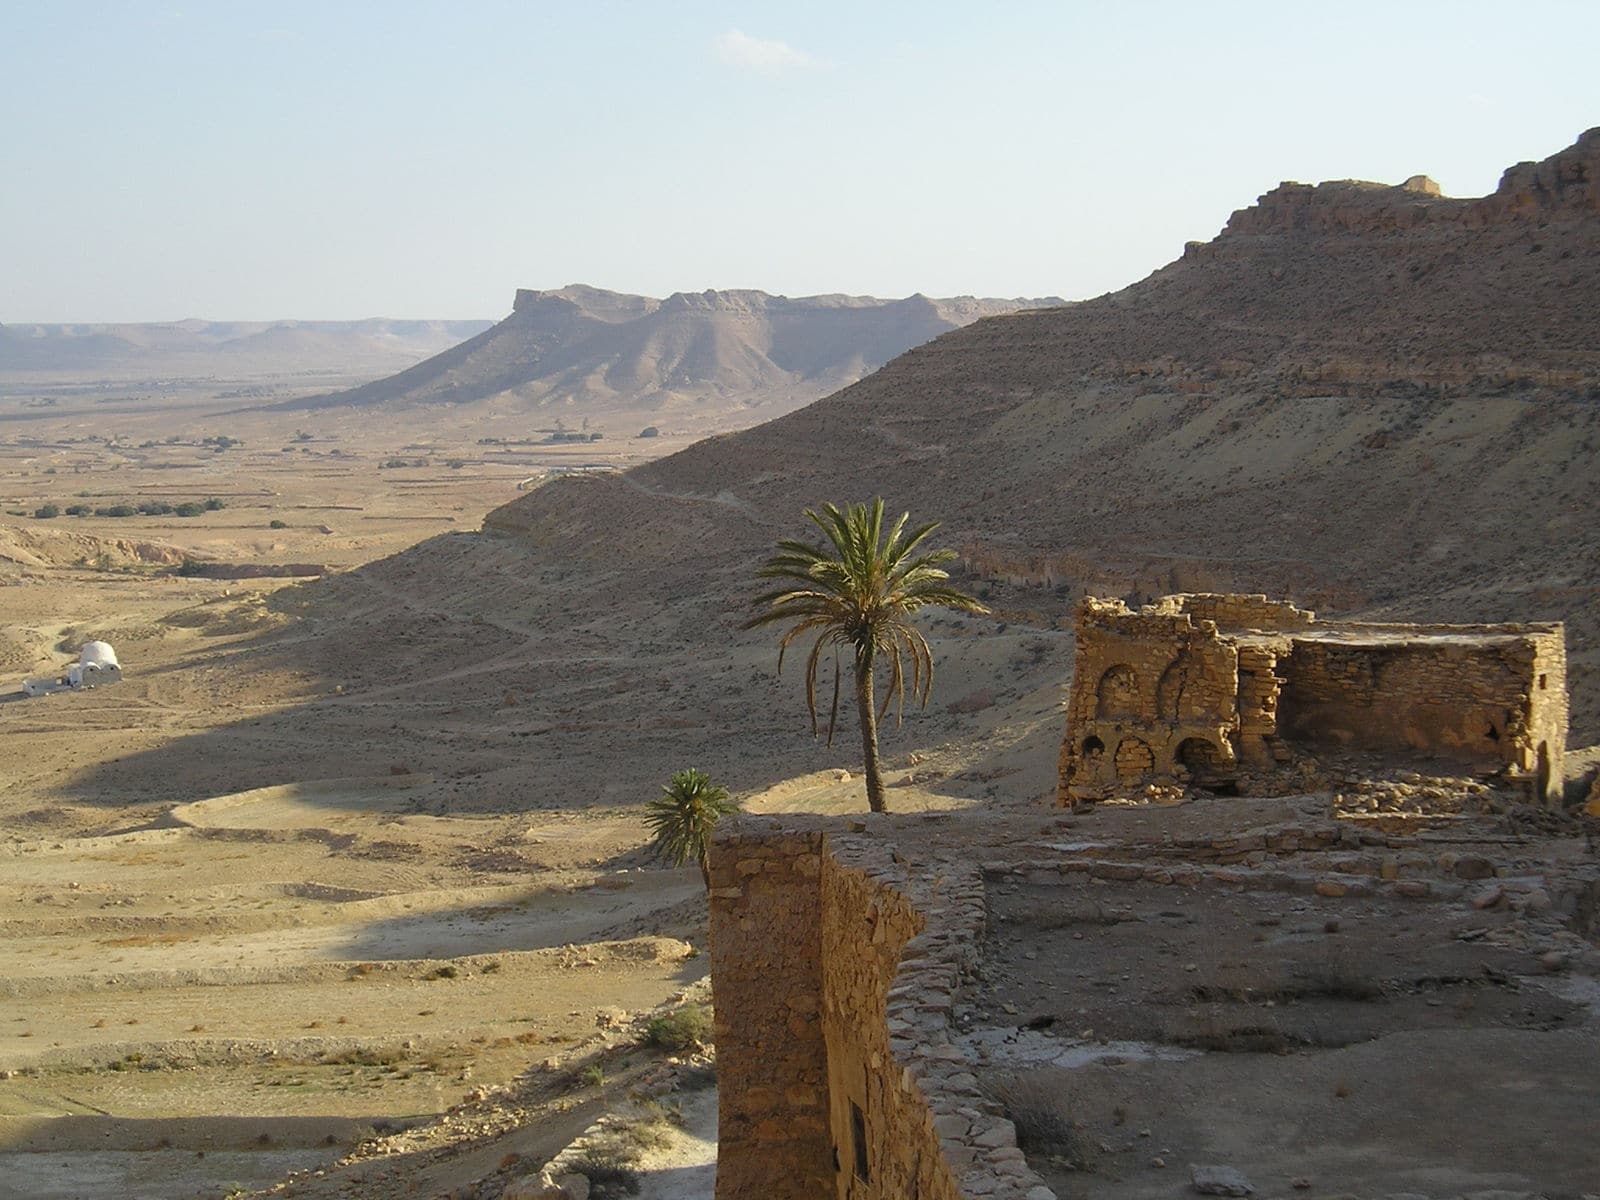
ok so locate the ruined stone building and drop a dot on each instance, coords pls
(1220, 692)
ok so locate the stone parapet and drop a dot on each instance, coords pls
(855, 1025)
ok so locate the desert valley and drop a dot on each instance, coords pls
(345, 888)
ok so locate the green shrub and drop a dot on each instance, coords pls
(275, 523)
(46, 511)
(681, 1030)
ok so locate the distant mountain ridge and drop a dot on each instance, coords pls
(597, 351)
(199, 347)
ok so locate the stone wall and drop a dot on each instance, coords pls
(1216, 690)
(1476, 702)
(766, 965)
(1149, 688)
(1239, 611)
(836, 1067)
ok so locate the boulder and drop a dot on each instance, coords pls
(1219, 1181)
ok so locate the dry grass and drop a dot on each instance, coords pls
(1039, 1105)
(146, 939)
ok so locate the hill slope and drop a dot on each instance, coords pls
(1372, 398)
(592, 352)
(1374, 401)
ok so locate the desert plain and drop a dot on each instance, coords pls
(344, 888)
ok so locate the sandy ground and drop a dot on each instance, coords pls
(206, 988)
(337, 855)
(1367, 1090)
(686, 1167)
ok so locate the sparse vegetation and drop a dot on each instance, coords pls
(1038, 1104)
(609, 1179)
(858, 593)
(682, 1030)
(683, 816)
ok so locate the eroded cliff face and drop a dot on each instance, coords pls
(1564, 186)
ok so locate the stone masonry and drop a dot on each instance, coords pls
(835, 972)
(1220, 691)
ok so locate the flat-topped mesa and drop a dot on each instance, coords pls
(1221, 691)
(1567, 182)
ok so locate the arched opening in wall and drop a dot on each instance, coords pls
(1542, 778)
(1206, 766)
(1118, 693)
(1134, 760)
(1092, 747)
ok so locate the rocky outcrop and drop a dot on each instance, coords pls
(1565, 185)
(1345, 206)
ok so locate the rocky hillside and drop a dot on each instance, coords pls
(584, 352)
(1373, 399)
(1189, 432)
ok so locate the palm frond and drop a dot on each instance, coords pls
(860, 588)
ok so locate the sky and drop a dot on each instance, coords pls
(336, 160)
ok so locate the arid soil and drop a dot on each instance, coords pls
(309, 798)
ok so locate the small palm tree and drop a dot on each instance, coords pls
(684, 815)
(860, 591)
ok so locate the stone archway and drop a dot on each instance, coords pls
(1134, 760)
(1207, 765)
(1118, 692)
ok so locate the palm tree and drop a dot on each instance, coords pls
(684, 815)
(860, 591)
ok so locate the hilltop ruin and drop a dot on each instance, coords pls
(1226, 692)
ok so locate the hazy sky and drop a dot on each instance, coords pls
(331, 160)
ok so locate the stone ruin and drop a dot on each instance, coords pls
(1229, 693)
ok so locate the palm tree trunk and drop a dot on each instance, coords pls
(869, 737)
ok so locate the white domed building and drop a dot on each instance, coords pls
(97, 664)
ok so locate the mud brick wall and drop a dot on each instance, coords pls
(835, 970)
